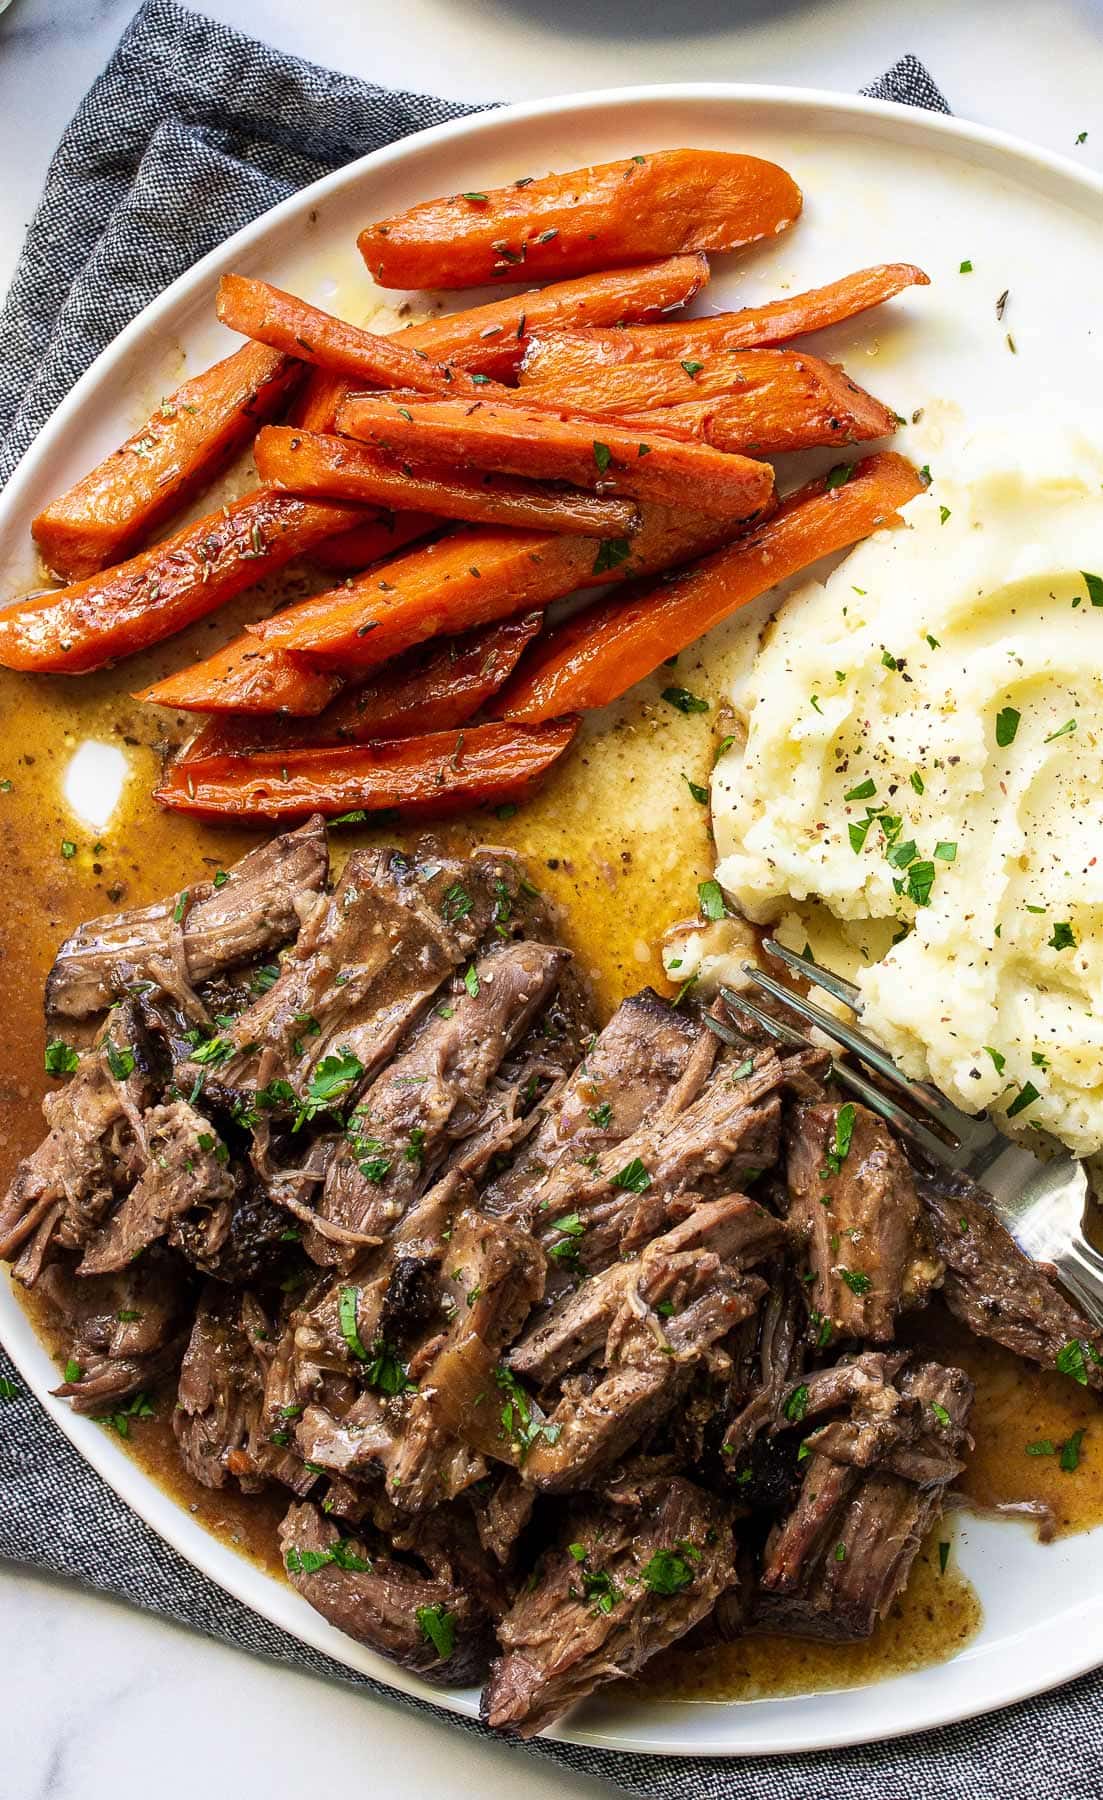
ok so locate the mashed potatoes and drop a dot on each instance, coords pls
(925, 748)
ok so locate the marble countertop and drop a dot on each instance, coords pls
(94, 1692)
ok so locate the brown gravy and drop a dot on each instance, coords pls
(616, 839)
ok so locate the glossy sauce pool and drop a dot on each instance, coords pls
(616, 840)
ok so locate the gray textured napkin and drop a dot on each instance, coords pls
(191, 131)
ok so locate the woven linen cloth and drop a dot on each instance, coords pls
(192, 131)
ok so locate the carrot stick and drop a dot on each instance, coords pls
(595, 218)
(354, 550)
(436, 774)
(434, 589)
(181, 448)
(770, 400)
(489, 339)
(71, 630)
(270, 316)
(316, 404)
(245, 677)
(456, 584)
(332, 468)
(605, 455)
(436, 687)
(596, 655)
(552, 353)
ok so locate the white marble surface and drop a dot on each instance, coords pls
(100, 1702)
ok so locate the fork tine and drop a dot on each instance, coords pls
(778, 1029)
(897, 1116)
(859, 1045)
(813, 972)
(724, 1032)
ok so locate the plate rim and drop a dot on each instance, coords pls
(211, 1557)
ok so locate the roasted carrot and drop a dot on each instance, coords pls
(556, 354)
(456, 584)
(436, 589)
(71, 630)
(596, 655)
(178, 450)
(775, 399)
(316, 403)
(245, 677)
(436, 774)
(489, 340)
(270, 316)
(603, 456)
(437, 687)
(332, 468)
(595, 218)
(354, 550)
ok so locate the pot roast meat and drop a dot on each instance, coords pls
(727, 1125)
(220, 1387)
(778, 1357)
(481, 1284)
(734, 1229)
(859, 1220)
(124, 1332)
(257, 908)
(994, 1289)
(425, 1622)
(185, 1171)
(401, 1128)
(426, 1419)
(869, 1496)
(91, 1153)
(627, 1578)
(625, 1073)
(360, 973)
(696, 1276)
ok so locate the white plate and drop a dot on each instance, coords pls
(881, 183)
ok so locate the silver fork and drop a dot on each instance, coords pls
(1041, 1203)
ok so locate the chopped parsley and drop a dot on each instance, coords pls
(603, 456)
(1070, 1451)
(797, 1404)
(61, 1058)
(633, 1178)
(699, 793)
(438, 1628)
(120, 1062)
(471, 981)
(347, 1305)
(999, 1060)
(308, 1562)
(683, 701)
(517, 1419)
(386, 1371)
(1071, 1359)
(668, 1572)
(865, 790)
(601, 1115)
(943, 1556)
(329, 1085)
(1094, 585)
(1007, 724)
(1062, 938)
(1065, 730)
(856, 1280)
(711, 898)
(965, 268)
(611, 552)
(838, 476)
(570, 1229)
(693, 368)
(1042, 1447)
(840, 1147)
(1025, 1097)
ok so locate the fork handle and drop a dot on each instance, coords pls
(1081, 1269)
